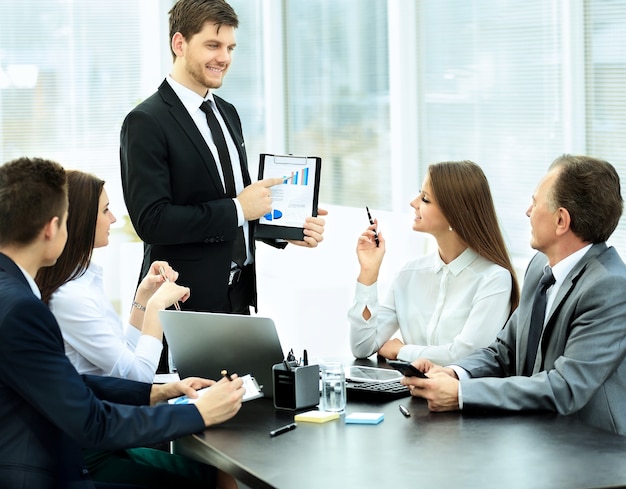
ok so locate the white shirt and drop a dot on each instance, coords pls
(94, 336)
(443, 312)
(560, 271)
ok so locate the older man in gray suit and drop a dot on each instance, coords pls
(578, 367)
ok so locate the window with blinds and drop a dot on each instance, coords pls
(605, 89)
(490, 92)
(508, 84)
(337, 104)
(69, 73)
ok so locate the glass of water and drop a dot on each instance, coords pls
(333, 387)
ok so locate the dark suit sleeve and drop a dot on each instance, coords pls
(37, 377)
(117, 390)
(170, 182)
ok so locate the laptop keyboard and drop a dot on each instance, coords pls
(376, 391)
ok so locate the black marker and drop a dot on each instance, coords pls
(369, 216)
(284, 429)
(404, 411)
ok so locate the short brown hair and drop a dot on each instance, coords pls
(462, 193)
(589, 188)
(189, 16)
(32, 191)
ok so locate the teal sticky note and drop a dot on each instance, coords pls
(364, 418)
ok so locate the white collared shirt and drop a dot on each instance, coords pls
(94, 336)
(560, 271)
(443, 311)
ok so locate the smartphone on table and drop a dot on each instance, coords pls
(406, 369)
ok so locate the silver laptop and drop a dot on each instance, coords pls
(202, 344)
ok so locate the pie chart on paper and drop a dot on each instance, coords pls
(274, 215)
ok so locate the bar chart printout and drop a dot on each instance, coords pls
(298, 178)
(293, 200)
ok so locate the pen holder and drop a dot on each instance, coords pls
(296, 387)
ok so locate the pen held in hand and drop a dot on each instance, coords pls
(369, 216)
(225, 375)
(162, 272)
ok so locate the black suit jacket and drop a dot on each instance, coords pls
(175, 198)
(48, 412)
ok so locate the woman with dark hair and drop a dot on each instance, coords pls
(448, 303)
(96, 341)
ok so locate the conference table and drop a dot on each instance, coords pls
(433, 450)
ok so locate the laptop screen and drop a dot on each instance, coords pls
(202, 344)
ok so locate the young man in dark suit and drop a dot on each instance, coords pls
(48, 412)
(576, 366)
(175, 174)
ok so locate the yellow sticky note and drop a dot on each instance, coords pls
(316, 416)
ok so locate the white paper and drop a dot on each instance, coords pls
(249, 384)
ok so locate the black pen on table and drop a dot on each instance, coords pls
(369, 216)
(283, 429)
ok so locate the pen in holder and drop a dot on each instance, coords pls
(295, 387)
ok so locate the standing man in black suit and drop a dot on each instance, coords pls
(175, 170)
(48, 412)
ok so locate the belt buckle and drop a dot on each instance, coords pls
(234, 276)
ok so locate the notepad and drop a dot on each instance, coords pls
(364, 418)
(253, 391)
(316, 416)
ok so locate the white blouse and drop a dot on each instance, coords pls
(443, 312)
(96, 341)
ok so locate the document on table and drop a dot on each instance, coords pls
(253, 391)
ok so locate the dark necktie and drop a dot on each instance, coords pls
(537, 318)
(239, 247)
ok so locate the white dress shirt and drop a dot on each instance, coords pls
(96, 341)
(443, 312)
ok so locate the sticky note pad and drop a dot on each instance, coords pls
(364, 418)
(316, 416)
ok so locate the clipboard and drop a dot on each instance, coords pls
(292, 201)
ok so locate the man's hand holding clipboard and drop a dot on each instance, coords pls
(293, 183)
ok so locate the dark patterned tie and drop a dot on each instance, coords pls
(537, 318)
(239, 247)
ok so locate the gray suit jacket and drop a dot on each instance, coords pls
(580, 368)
